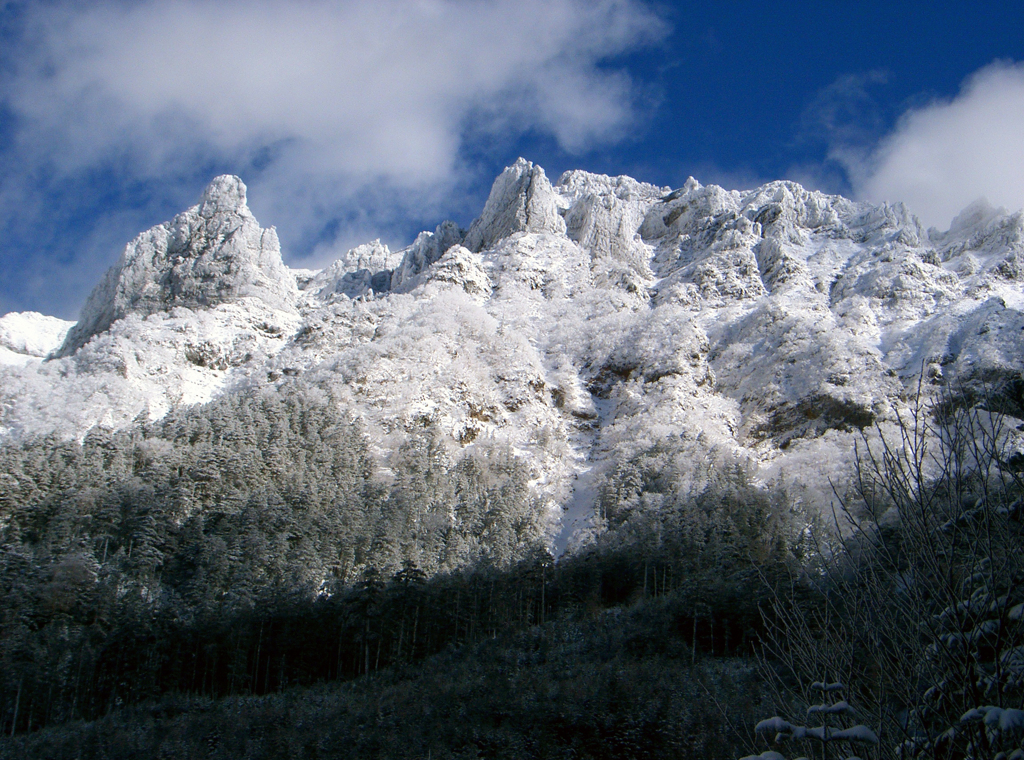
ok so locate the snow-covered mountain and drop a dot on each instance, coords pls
(580, 323)
(28, 335)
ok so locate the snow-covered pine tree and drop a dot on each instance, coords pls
(833, 736)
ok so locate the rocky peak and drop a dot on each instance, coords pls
(983, 230)
(521, 200)
(224, 195)
(374, 256)
(362, 269)
(213, 253)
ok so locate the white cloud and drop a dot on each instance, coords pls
(350, 115)
(944, 156)
(367, 89)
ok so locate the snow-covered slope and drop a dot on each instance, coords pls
(579, 323)
(29, 335)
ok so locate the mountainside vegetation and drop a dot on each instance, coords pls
(252, 546)
(243, 579)
(908, 640)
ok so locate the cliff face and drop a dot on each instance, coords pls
(578, 322)
(213, 253)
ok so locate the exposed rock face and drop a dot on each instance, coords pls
(521, 200)
(428, 248)
(461, 267)
(371, 269)
(575, 323)
(362, 270)
(214, 253)
(605, 214)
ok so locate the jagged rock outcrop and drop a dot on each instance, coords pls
(521, 200)
(605, 214)
(428, 248)
(372, 269)
(461, 267)
(213, 253)
(363, 270)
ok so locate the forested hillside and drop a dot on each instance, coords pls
(252, 544)
(324, 604)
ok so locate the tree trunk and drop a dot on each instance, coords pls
(17, 704)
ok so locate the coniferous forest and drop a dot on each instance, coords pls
(247, 579)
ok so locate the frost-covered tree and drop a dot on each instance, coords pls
(836, 734)
(916, 602)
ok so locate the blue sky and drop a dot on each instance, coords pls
(355, 120)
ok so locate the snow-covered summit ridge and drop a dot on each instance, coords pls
(579, 323)
(213, 253)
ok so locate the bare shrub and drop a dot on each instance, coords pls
(914, 599)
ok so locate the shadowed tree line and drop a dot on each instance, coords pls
(618, 683)
(251, 546)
